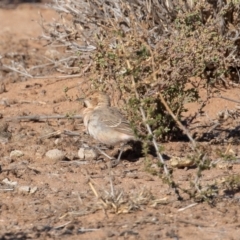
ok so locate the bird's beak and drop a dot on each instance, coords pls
(82, 100)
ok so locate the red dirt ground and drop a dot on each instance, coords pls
(58, 201)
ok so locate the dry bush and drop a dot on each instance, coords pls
(139, 49)
(152, 55)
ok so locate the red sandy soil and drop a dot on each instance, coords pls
(61, 203)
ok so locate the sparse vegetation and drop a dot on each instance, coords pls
(153, 58)
(150, 52)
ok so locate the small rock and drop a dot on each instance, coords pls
(33, 190)
(71, 156)
(55, 154)
(178, 162)
(16, 154)
(224, 165)
(57, 141)
(24, 189)
(81, 154)
(8, 182)
(87, 154)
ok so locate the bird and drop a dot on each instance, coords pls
(105, 123)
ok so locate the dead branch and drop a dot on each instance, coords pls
(37, 118)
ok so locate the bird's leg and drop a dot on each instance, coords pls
(103, 153)
(115, 163)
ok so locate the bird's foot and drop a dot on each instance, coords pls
(115, 162)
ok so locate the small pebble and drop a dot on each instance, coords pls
(8, 182)
(16, 154)
(55, 154)
(87, 154)
(24, 189)
(33, 190)
(57, 141)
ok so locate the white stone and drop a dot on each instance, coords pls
(87, 154)
(55, 154)
(33, 190)
(24, 189)
(8, 182)
(16, 153)
(81, 153)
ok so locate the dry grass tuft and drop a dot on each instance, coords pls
(117, 201)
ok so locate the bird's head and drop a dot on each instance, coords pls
(96, 99)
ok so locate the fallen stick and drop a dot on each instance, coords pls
(43, 117)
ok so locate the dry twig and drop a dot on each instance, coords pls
(37, 118)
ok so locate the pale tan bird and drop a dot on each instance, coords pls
(105, 123)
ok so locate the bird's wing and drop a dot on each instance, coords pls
(111, 117)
